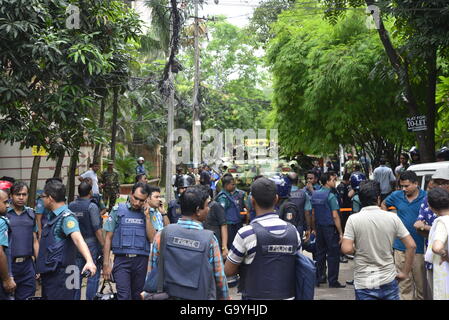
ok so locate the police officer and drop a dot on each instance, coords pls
(251, 210)
(129, 231)
(140, 168)
(7, 284)
(61, 237)
(88, 215)
(298, 208)
(329, 234)
(174, 207)
(110, 185)
(23, 243)
(196, 269)
(312, 183)
(414, 155)
(231, 200)
(264, 251)
(41, 212)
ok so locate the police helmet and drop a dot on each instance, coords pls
(356, 178)
(282, 186)
(443, 154)
(185, 181)
(413, 151)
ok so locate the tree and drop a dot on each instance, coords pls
(232, 79)
(330, 88)
(50, 73)
(422, 28)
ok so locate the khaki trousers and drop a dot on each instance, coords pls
(414, 287)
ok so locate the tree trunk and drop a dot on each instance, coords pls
(71, 177)
(114, 122)
(33, 182)
(425, 139)
(58, 168)
(97, 150)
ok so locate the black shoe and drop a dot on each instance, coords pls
(322, 280)
(350, 282)
(343, 259)
(337, 285)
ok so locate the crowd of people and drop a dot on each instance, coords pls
(214, 236)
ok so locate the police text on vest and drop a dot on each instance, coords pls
(280, 249)
(186, 242)
(134, 221)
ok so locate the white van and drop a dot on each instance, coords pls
(424, 171)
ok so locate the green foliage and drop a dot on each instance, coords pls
(52, 77)
(232, 78)
(264, 16)
(125, 166)
(442, 126)
(329, 88)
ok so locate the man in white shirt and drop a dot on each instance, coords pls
(369, 236)
(385, 176)
(92, 174)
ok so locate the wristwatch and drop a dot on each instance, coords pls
(164, 214)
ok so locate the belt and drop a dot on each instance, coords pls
(127, 255)
(21, 259)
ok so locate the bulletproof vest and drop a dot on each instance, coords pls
(271, 275)
(323, 214)
(174, 211)
(22, 228)
(80, 207)
(232, 213)
(52, 253)
(130, 237)
(298, 199)
(8, 249)
(188, 272)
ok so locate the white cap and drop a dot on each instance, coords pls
(441, 173)
(141, 159)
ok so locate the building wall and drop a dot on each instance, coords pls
(18, 163)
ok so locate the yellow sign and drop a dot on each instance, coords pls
(40, 152)
(256, 142)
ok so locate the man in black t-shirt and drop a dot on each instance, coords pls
(216, 222)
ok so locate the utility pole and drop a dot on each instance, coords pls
(196, 122)
(170, 101)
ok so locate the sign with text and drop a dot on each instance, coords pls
(36, 151)
(417, 123)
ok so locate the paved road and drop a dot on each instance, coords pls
(324, 292)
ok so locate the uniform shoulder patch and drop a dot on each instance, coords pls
(70, 224)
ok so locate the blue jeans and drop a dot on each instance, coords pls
(389, 291)
(92, 282)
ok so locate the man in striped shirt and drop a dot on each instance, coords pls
(263, 253)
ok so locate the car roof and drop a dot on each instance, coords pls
(430, 166)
